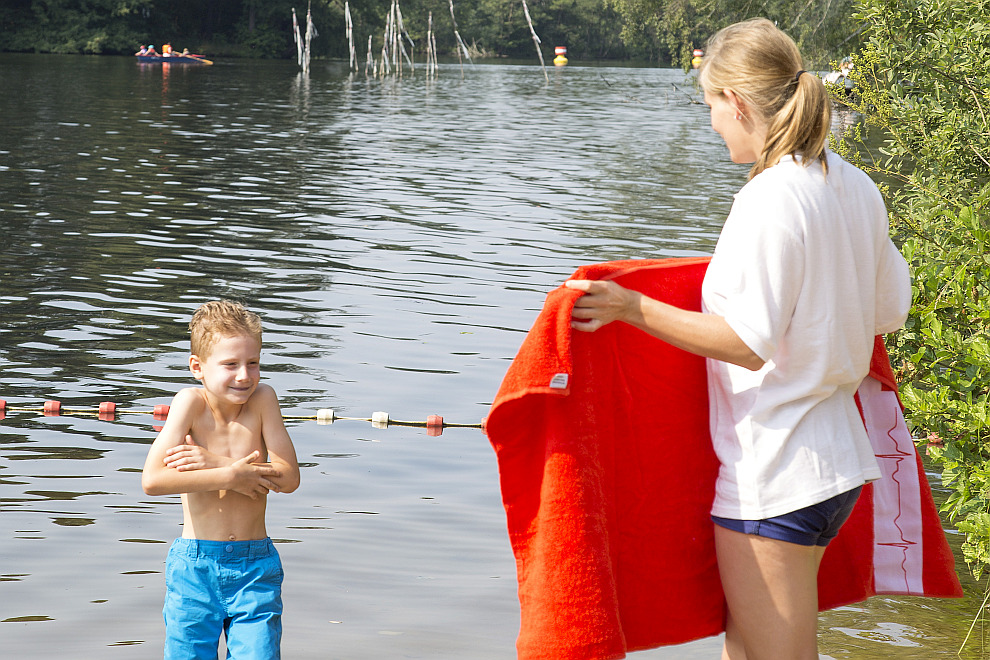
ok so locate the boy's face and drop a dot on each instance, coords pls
(232, 369)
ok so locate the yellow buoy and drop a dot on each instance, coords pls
(698, 56)
(561, 53)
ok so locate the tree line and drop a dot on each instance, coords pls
(660, 31)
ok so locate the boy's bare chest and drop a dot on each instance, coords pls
(235, 439)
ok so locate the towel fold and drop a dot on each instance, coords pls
(607, 476)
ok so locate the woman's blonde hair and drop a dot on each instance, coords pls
(763, 66)
(218, 319)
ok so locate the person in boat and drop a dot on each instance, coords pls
(842, 75)
(166, 50)
(803, 277)
(185, 52)
(142, 51)
(152, 52)
(224, 447)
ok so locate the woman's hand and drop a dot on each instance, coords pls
(602, 303)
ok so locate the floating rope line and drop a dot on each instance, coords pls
(108, 411)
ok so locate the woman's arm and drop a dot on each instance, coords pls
(707, 335)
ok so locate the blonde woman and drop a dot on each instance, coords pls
(804, 275)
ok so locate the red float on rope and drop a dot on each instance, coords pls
(108, 411)
(434, 425)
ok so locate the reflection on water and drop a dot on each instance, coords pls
(398, 238)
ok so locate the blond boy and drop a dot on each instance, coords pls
(223, 574)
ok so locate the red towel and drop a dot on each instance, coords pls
(608, 474)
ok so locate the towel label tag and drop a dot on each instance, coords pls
(559, 382)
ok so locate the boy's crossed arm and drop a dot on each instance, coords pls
(281, 452)
(241, 475)
(248, 476)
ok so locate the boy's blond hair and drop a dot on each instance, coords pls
(217, 319)
(763, 66)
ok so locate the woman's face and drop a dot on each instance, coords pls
(742, 135)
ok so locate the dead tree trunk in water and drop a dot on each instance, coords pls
(536, 40)
(460, 42)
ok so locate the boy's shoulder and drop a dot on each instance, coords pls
(263, 396)
(263, 392)
(190, 396)
(264, 389)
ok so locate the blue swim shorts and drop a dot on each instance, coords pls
(230, 587)
(813, 525)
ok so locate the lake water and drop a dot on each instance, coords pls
(398, 237)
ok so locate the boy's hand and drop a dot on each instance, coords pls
(190, 456)
(252, 479)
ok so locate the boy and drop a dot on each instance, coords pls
(224, 573)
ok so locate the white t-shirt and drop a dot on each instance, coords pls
(806, 274)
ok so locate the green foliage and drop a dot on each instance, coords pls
(642, 24)
(673, 28)
(658, 30)
(256, 27)
(589, 28)
(71, 26)
(923, 79)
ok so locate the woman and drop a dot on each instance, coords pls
(803, 276)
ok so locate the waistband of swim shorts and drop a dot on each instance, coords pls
(224, 549)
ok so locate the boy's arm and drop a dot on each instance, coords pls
(281, 453)
(190, 456)
(159, 479)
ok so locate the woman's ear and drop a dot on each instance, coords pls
(735, 101)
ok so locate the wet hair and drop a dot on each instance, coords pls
(763, 66)
(218, 319)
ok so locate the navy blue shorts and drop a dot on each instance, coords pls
(813, 525)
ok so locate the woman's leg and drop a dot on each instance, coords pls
(771, 588)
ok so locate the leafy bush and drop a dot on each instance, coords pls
(923, 79)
